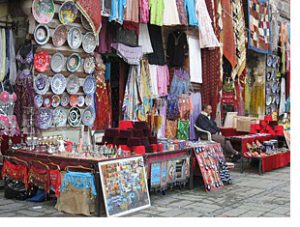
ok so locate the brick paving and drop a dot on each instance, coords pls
(250, 195)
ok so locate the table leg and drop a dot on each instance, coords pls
(191, 180)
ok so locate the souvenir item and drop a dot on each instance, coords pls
(268, 110)
(275, 87)
(38, 101)
(89, 85)
(58, 84)
(60, 35)
(57, 62)
(55, 101)
(44, 118)
(74, 117)
(85, 23)
(60, 117)
(74, 38)
(275, 59)
(269, 76)
(73, 100)
(73, 85)
(41, 84)
(73, 62)
(277, 99)
(269, 100)
(64, 100)
(41, 61)
(88, 100)
(269, 61)
(274, 75)
(68, 12)
(88, 116)
(80, 101)
(89, 42)
(41, 34)
(43, 10)
(89, 65)
(47, 102)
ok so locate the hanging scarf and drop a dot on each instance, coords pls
(197, 107)
(39, 177)
(55, 181)
(12, 60)
(15, 172)
(3, 55)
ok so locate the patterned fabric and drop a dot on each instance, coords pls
(15, 172)
(183, 130)
(12, 59)
(144, 11)
(171, 129)
(259, 35)
(182, 12)
(197, 107)
(161, 104)
(55, 181)
(39, 177)
(91, 11)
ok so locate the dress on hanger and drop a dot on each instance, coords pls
(170, 13)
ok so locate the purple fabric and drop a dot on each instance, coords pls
(131, 55)
(162, 112)
(197, 106)
(105, 37)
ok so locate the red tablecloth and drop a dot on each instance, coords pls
(228, 132)
(275, 161)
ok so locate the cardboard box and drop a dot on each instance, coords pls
(242, 124)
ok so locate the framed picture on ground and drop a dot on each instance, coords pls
(124, 186)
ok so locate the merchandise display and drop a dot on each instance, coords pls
(43, 10)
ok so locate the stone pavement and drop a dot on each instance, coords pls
(250, 195)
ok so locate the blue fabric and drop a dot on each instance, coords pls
(79, 180)
(107, 71)
(191, 11)
(117, 10)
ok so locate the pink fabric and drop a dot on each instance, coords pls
(163, 77)
(144, 11)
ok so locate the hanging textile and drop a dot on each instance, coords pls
(12, 59)
(195, 64)
(2, 54)
(158, 55)
(207, 37)
(117, 11)
(131, 55)
(131, 97)
(162, 109)
(144, 11)
(183, 129)
(182, 12)
(163, 77)
(156, 12)
(185, 106)
(171, 16)
(282, 97)
(15, 172)
(154, 84)
(91, 11)
(132, 11)
(257, 103)
(106, 7)
(171, 129)
(177, 47)
(274, 25)
(144, 39)
(197, 107)
(191, 12)
(259, 34)
(106, 36)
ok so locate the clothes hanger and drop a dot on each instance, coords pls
(13, 158)
(79, 167)
(53, 164)
(41, 163)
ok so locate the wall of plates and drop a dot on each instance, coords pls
(63, 65)
(272, 85)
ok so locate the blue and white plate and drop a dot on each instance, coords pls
(89, 65)
(64, 100)
(60, 117)
(73, 85)
(38, 101)
(89, 100)
(73, 62)
(89, 85)
(68, 12)
(88, 116)
(74, 117)
(58, 84)
(89, 42)
(57, 62)
(80, 101)
(44, 118)
(74, 38)
(41, 84)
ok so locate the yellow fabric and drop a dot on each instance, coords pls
(156, 12)
(257, 104)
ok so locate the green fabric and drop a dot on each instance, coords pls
(183, 130)
(3, 55)
(156, 12)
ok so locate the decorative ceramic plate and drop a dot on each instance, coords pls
(88, 116)
(89, 65)
(55, 101)
(58, 84)
(67, 12)
(60, 117)
(74, 38)
(43, 10)
(57, 62)
(47, 102)
(274, 87)
(268, 89)
(269, 61)
(44, 118)
(80, 101)
(277, 99)
(275, 59)
(269, 76)
(73, 85)
(73, 100)
(74, 117)
(73, 62)
(41, 84)
(89, 85)
(41, 34)
(64, 100)
(41, 61)
(89, 42)
(269, 100)
(85, 23)
(38, 101)
(60, 35)
(268, 110)
(88, 100)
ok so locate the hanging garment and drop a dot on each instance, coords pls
(275, 25)
(282, 97)
(91, 11)
(180, 83)
(15, 172)
(55, 181)
(191, 12)
(163, 77)
(195, 64)
(183, 130)
(177, 47)
(106, 36)
(131, 98)
(197, 107)
(144, 11)
(106, 7)
(144, 39)
(131, 55)
(132, 11)
(171, 129)
(158, 55)
(3, 55)
(207, 37)
(184, 106)
(170, 13)
(156, 12)
(182, 12)
(39, 177)
(162, 108)
(117, 11)
(12, 60)
(154, 83)
(228, 39)
(257, 103)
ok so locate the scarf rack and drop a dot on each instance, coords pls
(6, 24)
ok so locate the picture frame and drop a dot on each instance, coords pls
(98, 136)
